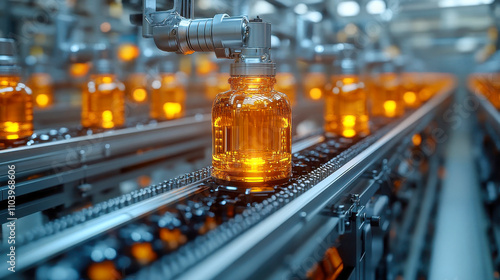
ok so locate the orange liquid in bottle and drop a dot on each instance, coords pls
(286, 83)
(41, 85)
(386, 96)
(346, 111)
(314, 85)
(16, 109)
(167, 97)
(103, 102)
(251, 132)
(137, 87)
(216, 83)
(413, 85)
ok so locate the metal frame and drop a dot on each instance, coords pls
(77, 154)
(491, 115)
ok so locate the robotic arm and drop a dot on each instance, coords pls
(248, 42)
(175, 30)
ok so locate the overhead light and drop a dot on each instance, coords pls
(375, 7)
(348, 8)
(300, 9)
(315, 16)
(262, 7)
(461, 3)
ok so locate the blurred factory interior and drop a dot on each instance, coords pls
(250, 139)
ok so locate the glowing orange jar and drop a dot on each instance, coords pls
(251, 131)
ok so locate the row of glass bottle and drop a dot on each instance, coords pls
(103, 100)
(251, 123)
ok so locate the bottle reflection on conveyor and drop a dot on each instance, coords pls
(16, 107)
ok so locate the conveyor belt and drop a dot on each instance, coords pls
(323, 173)
(79, 157)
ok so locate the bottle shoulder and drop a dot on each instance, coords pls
(105, 84)
(235, 98)
(344, 85)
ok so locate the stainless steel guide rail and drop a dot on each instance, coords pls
(69, 160)
(491, 115)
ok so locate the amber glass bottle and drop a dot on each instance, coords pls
(287, 84)
(137, 87)
(41, 85)
(412, 86)
(216, 83)
(16, 108)
(314, 82)
(251, 130)
(386, 93)
(168, 97)
(314, 85)
(103, 98)
(346, 111)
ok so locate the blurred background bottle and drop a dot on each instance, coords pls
(168, 94)
(16, 107)
(346, 112)
(314, 82)
(103, 98)
(386, 92)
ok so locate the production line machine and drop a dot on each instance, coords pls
(483, 98)
(332, 218)
(166, 188)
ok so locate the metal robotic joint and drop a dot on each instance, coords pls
(173, 32)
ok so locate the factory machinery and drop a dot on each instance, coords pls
(140, 200)
(482, 88)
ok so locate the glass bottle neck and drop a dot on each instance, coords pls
(252, 83)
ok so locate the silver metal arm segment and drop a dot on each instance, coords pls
(175, 31)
